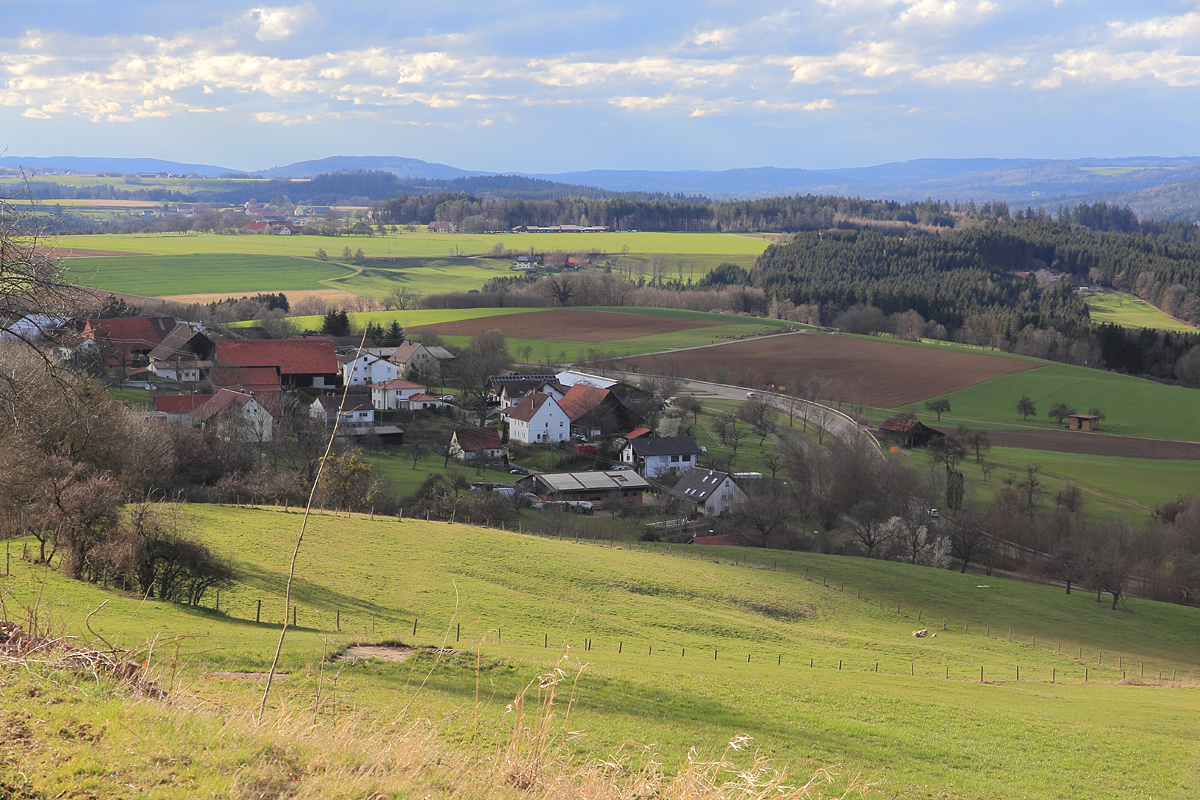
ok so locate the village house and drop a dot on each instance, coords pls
(366, 369)
(708, 492)
(421, 401)
(496, 384)
(593, 411)
(183, 355)
(537, 419)
(357, 410)
(467, 443)
(610, 489)
(652, 457)
(178, 407)
(236, 415)
(413, 359)
(394, 395)
(301, 363)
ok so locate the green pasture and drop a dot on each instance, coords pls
(422, 244)
(1124, 309)
(689, 650)
(1133, 406)
(156, 276)
(425, 276)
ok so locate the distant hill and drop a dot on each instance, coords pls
(398, 165)
(122, 165)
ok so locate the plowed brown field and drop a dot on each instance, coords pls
(572, 326)
(891, 374)
(1091, 443)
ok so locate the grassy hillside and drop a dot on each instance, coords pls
(1132, 312)
(655, 619)
(1134, 406)
(156, 276)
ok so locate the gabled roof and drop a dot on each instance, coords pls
(406, 351)
(397, 383)
(139, 333)
(636, 432)
(440, 353)
(899, 424)
(291, 356)
(673, 446)
(354, 402)
(471, 439)
(529, 406)
(183, 340)
(518, 388)
(697, 485)
(223, 399)
(421, 397)
(252, 379)
(180, 403)
(581, 398)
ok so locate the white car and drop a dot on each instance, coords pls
(750, 394)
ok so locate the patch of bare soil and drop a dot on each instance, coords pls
(242, 676)
(573, 326)
(382, 652)
(879, 373)
(331, 296)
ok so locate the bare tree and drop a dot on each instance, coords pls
(869, 527)
(485, 356)
(766, 512)
(760, 415)
(969, 540)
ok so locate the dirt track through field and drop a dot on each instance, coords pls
(1092, 443)
(573, 326)
(886, 374)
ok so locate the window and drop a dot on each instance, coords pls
(674, 459)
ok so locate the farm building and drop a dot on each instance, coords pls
(612, 488)
(182, 354)
(302, 363)
(594, 411)
(907, 432)
(178, 406)
(122, 339)
(537, 418)
(652, 457)
(260, 380)
(708, 492)
(1084, 422)
(467, 443)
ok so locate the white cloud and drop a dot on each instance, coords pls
(277, 23)
(719, 36)
(35, 113)
(1178, 27)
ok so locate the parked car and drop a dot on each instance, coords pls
(517, 472)
(750, 394)
(616, 467)
(447, 398)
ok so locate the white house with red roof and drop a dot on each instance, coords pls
(394, 395)
(537, 418)
(238, 415)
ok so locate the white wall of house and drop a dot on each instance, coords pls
(548, 424)
(393, 399)
(368, 369)
(167, 372)
(725, 497)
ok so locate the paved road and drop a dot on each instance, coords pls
(834, 422)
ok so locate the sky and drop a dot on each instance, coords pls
(562, 86)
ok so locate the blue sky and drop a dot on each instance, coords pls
(547, 87)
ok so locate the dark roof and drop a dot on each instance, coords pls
(183, 340)
(471, 439)
(180, 403)
(528, 406)
(590, 481)
(354, 402)
(673, 446)
(698, 484)
(900, 425)
(518, 388)
(496, 380)
(291, 356)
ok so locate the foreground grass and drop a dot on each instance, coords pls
(654, 621)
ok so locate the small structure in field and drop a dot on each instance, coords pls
(908, 432)
(1084, 422)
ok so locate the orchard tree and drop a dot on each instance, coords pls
(939, 407)
(1026, 408)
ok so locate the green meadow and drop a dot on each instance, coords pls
(157, 276)
(810, 655)
(1132, 312)
(1133, 406)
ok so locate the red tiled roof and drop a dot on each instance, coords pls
(138, 333)
(636, 432)
(222, 400)
(252, 379)
(422, 397)
(580, 399)
(897, 424)
(397, 383)
(180, 403)
(471, 439)
(528, 406)
(291, 356)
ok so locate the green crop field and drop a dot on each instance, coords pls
(1133, 406)
(687, 650)
(1132, 312)
(425, 276)
(157, 276)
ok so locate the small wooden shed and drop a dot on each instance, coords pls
(1084, 422)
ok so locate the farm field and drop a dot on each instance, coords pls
(159, 276)
(1133, 406)
(1124, 309)
(1096, 443)
(583, 325)
(888, 374)
(654, 620)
